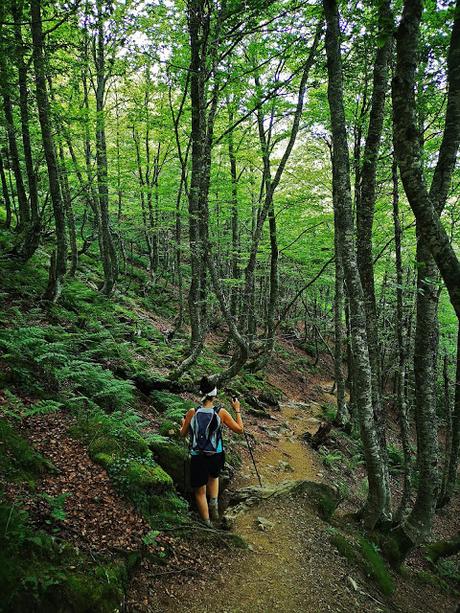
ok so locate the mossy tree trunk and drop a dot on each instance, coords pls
(433, 246)
(377, 495)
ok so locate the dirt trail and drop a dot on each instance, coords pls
(290, 565)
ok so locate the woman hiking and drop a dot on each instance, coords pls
(204, 426)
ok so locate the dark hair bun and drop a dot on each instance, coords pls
(206, 385)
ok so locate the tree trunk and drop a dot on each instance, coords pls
(341, 415)
(401, 401)
(23, 205)
(407, 143)
(432, 241)
(6, 195)
(32, 233)
(451, 477)
(377, 495)
(58, 260)
(365, 219)
(108, 254)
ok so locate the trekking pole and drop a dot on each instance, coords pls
(252, 457)
(234, 398)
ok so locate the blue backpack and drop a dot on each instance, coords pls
(205, 431)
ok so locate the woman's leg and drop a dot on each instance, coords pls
(212, 489)
(201, 502)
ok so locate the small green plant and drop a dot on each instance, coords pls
(331, 458)
(395, 458)
(56, 506)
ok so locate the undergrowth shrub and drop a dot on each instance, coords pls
(49, 359)
(40, 573)
(18, 460)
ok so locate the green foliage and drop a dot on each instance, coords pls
(18, 460)
(331, 458)
(170, 404)
(38, 573)
(56, 506)
(395, 458)
(345, 547)
(329, 410)
(45, 359)
(115, 442)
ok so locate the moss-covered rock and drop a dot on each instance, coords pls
(100, 591)
(148, 476)
(173, 457)
(103, 434)
(169, 428)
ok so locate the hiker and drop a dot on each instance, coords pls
(204, 426)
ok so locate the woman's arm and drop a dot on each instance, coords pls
(186, 422)
(227, 419)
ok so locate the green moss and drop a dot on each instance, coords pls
(427, 578)
(106, 434)
(167, 510)
(104, 459)
(105, 444)
(345, 547)
(376, 568)
(168, 428)
(172, 457)
(18, 460)
(147, 476)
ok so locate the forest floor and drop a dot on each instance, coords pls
(290, 563)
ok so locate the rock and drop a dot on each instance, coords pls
(353, 583)
(323, 498)
(174, 460)
(264, 524)
(284, 466)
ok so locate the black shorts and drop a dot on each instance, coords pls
(204, 466)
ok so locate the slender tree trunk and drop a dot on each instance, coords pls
(198, 31)
(407, 143)
(401, 401)
(67, 201)
(108, 253)
(32, 234)
(58, 260)
(23, 205)
(451, 476)
(377, 495)
(6, 195)
(341, 415)
(365, 218)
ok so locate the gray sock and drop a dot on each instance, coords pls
(213, 509)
